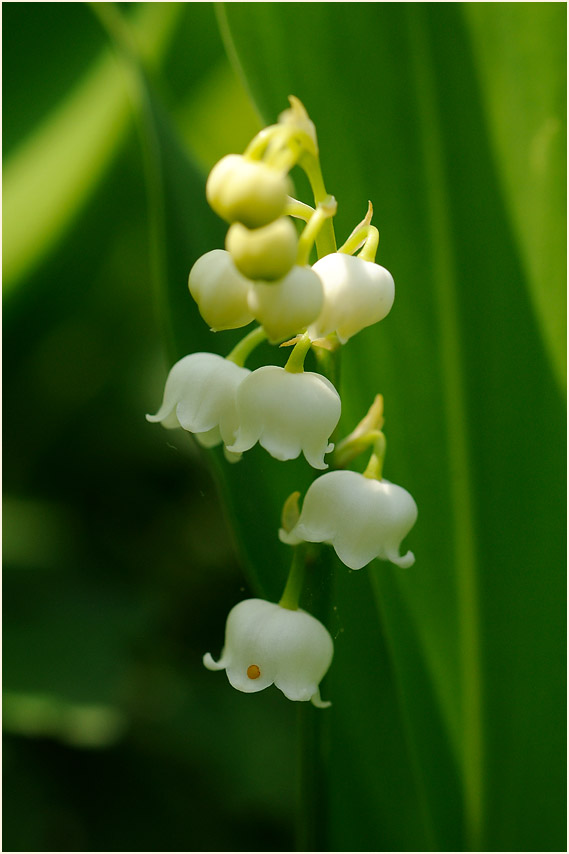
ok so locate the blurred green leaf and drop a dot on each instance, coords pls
(75, 724)
(119, 572)
(217, 116)
(50, 174)
(518, 53)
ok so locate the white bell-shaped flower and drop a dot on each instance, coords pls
(357, 293)
(266, 644)
(360, 517)
(220, 291)
(286, 307)
(287, 413)
(199, 396)
(247, 191)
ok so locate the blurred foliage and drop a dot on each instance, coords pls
(119, 568)
(448, 719)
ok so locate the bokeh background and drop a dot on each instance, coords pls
(119, 567)
(125, 546)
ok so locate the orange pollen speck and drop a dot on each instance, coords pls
(253, 671)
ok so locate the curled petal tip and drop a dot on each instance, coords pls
(317, 701)
(405, 561)
(211, 664)
(289, 537)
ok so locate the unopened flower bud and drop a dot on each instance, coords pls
(289, 305)
(357, 293)
(247, 191)
(220, 291)
(266, 253)
(297, 116)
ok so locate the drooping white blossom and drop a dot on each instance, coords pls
(266, 644)
(199, 396)
(360, 517)
(357, 293)
(286, 307)
(287, 413)
(220, 291)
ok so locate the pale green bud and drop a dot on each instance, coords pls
(247, 191)
(266, 253)
(220, 291)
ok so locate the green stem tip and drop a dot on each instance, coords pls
(295, 580)
(295, 364)
(245, 347)
(374, 468)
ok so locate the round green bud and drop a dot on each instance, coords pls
(266, 253)
(247, 191)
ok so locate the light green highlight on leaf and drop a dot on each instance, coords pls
(452, 368)
(36, 534)
(524, 93)
(51, 174)
(44, 715)
(218, 117)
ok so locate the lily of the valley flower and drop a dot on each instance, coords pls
(287, 413)
(362, 518)
(266, 644)
(357, 293)
(200, 397)
(289, 305)
(220, 291)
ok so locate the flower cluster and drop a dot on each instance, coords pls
(265, 274)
